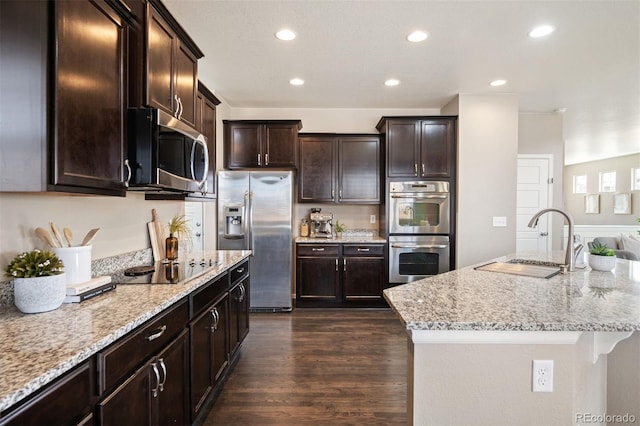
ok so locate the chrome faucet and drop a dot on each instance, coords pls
(570, 259)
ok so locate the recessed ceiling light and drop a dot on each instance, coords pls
(296, 81)
(541, 31)
(496, 83)
(285, 35)
(392, 82)
(417, 36)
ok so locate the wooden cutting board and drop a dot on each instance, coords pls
(154, 241)
(161, 234)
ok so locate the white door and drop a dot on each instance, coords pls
(533, 195)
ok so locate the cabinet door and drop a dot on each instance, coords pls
(90, 101)
(437, 141)
(363, 278)
(280, 145)
(220, 358)
(242, 145)
(130, 403)
(186, 83)
(173, 390)
(318, 278)
(403, 142)
(208, 351)
(243, 312)
(238, 315)
(359, 170)
(317, 173)
(161, 42)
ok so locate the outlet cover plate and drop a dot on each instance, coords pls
(542, 375)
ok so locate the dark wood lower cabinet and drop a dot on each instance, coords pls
(340, 275)
(69, 400)
(209, 352)
(238, 315)
(155, 394)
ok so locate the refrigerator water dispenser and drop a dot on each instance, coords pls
(233, 221)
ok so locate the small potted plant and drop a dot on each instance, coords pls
(339, 229)
(178, 230)
(39, 281)
(601, 257)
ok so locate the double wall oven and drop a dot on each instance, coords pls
(419, 226)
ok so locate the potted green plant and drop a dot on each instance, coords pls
(601, 257)
(339, 228)
(39, 281)
(178, 230)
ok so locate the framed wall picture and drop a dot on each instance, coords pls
(622, 203)
(592, 203)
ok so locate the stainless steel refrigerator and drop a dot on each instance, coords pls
(255, 212)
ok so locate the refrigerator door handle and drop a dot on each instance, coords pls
(248, 197)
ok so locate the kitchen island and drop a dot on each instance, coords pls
(473, 335)
(37, 349)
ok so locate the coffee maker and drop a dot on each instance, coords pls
(321, 226)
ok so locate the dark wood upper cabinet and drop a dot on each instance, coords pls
(64, 79)
(257, 143)
(422, 147)
(336, 168)
(317, 169)
(172, 66)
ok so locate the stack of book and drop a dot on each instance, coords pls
(94, 287)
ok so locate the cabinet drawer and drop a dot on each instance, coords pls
(240, 271)
(122, 358)
(66, 401)
(208, 294)
(318, 250)
(363, 250)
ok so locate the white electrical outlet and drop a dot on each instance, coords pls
(542, 375)
(499, 221)
(372, 218)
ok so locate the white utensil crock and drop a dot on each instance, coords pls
(77, 263)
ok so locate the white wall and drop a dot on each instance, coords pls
(487, 167)
(122, 221)
(575, 202)
(542, 134)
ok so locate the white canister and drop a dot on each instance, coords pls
(77, 263)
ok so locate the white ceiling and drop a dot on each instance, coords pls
(345, 50)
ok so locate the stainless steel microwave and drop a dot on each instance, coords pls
(164, 154)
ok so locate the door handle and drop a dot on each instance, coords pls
(544, 234)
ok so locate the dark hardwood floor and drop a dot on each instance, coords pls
(318, 367)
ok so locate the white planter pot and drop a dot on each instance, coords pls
(39, 294)
(602, 263)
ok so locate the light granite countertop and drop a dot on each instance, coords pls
(37, 348)
(469, 299)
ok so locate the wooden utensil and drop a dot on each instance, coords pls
(57, 235)
(160, 233)
(45, 236)
(89, 237)
(69, 236)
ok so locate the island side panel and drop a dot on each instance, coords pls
(491, 384)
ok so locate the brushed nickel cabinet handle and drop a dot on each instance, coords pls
(336, 265)
(317, 249)
(415, 169)
(259, 163)
(423, 169)
(164, 372)
(345, 266)
(363, 249)
(157, 334)
(154, 391)
(266, 159)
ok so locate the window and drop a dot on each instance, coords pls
(635, 179)
(608, 181)
(580, 184)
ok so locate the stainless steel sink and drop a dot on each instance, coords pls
(523, 267)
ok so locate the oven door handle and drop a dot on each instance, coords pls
(439, 197)
(428, 246)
